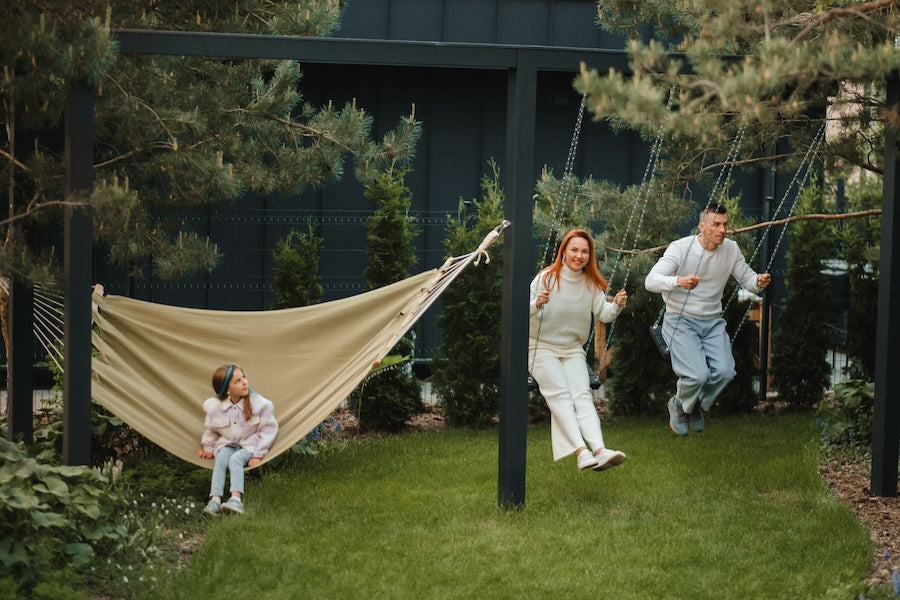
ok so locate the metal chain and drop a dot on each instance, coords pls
(805, 167)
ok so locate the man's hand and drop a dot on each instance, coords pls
(204, 454)
(688, 282)
(763, 280)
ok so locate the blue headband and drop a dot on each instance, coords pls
(227, 380)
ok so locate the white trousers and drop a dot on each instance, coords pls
(565, 386)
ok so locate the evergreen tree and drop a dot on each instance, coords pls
(771, 67)
(466, 366)
(296, 279)
(799, 369)
(860, 250)
(387, 401)
(172, 134)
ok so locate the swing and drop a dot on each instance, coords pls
(559, 209)
(151, 361)
(797, 183)
(717, 192)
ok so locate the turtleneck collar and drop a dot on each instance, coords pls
(568, 274)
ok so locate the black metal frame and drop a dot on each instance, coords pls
(522, 65)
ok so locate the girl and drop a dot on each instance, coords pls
(240, 427)
(564, 298)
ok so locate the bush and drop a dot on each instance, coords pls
(466, 367)
(296, 280)
(51, 517)
(800, 371)
(396, 395)
(845, 417)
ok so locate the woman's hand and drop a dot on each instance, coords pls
(621, 298)
(542, 298)
(204, 454)
(253, 462)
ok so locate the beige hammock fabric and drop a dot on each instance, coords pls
(153, 363)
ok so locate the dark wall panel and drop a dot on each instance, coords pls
(528, 22)
(417, 20)
(470, 21)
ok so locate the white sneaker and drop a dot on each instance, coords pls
(586, 460)
(607, 459)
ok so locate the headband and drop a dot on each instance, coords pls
(227, 380)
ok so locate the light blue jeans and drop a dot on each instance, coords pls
(230, 459)
(701, 358)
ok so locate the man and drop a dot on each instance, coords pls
(691, 276)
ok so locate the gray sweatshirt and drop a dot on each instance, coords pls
(686, 256)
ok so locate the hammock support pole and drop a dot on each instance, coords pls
(77, 241)
(19, 386)
(520, 117)
(886, 420)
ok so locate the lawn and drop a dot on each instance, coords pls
(738, 511)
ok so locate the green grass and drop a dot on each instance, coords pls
(736, 512)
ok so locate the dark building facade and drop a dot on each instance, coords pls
(463, 115)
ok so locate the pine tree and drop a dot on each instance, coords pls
(466, 366)
(771, 67)
(387, 401)
(799, 369)
(172, 134)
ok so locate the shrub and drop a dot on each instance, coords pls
(466, 367)
(51, 517)
(845, 416)
(396, 395)
(800, 371)
(296, 280)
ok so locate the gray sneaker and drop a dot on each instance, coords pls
(695, 420)
(213, 506)
(233, 505)
(678, 420)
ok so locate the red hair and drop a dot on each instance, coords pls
(590, 270)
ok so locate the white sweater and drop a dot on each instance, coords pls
(686, 256)
(563, 324)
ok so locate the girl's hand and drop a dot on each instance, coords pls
(253, 462)
(621, 298)
(204, 454)
(542, 298)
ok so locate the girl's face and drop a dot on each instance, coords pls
(577, 253)
(238, 386)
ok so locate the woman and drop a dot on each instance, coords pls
(240, 428)
(565, 297)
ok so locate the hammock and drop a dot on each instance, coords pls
(153, 363)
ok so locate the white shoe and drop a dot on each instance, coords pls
(586, 460)
(607, 459)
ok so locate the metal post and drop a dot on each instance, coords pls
(520, 118)
(885, 430)
(765, 309)
(77, 244)
(19, 384)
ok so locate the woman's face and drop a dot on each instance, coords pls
(577, 253)
(238, 387)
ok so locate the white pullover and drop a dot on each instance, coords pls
(686, 256)
(563, 324)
